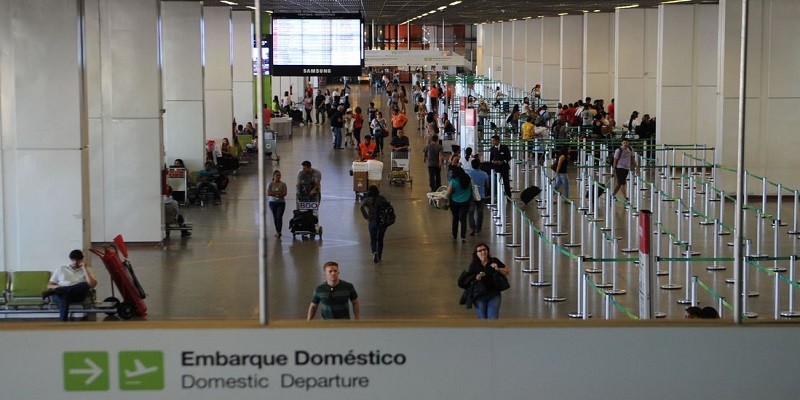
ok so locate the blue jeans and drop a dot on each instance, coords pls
(475, 215)
(337, 136)
(562, 179)
(376, 233)
(67, 294)
(277, 208)
(487, 307)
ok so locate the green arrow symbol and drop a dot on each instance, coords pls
(94, 371)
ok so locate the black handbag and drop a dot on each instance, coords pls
(500, 281)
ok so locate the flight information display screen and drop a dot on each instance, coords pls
(317, 44)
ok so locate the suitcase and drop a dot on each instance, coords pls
(303, 221)
(528, 194)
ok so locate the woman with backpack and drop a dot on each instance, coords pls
(378, 126)
(374, 209)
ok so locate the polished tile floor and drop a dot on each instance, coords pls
(214, 274)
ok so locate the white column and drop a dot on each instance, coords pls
(488, 50)
(183, 83)
(635, 54)
(243, 89)
(686, 88)
(571, 58)
(479, 48)
(497, 51)
(551, 58)
(43, 205)
(598, 56)
(218, 70)
(125, 119)
(533, 53)
(518, 46)
(508, 49)
(773, 90)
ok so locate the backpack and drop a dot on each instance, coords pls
(386, 216)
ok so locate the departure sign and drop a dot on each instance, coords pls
(329, 44)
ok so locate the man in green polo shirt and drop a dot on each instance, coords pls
(333, 295)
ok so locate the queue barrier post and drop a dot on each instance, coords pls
(715, 266)
(791, 313)
(572, 215)
(523, 248)
(615, 290)
(514, 229)
(540, 281)
(554, 297)
(581, 290)
(794, 230)
(745, 293)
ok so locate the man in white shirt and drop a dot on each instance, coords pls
(70, 283)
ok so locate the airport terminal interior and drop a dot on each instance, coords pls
(213, 275)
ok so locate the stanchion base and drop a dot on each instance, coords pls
(550, 224)
(595, 219)
(750, 314)
(706, 223)
(671, 286)
(513, 245)
(503, 233)
(753, 294)
(777, 269)
(542, 207)
(554, 299)
(604, 285)
(559, 233)
(529, 271)
(793, 232)
(583, 208)
(616, 292)
(630, 250)
(521, 258)
(662, 273)
(667, 199)
(540, 283)
(659, 314)
(571, 245)
(715, 268)
(781, 224)
(685, 301)
(714, 200)
(790, 314)
(593, 270)
(729, 281)
(576, 314)
(605, 228)
(691, 253)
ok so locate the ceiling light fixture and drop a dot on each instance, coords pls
(441, 8)
(596, 11)
(562, 14)
(251, 7)
(455, 3)
(628, 6)
(674, 1)
(431, 11)
(584, 11)
(230, 3)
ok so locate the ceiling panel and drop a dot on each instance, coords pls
(467, 12)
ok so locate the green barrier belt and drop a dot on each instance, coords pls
(691, 259)
(620, 259)
(619, 306)
(770, 272)
(714, 294)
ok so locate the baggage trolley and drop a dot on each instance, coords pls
(271, 146)
(122, 275)
(360, 173)
(305, 223)
(400, 173)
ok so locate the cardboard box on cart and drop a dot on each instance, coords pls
(360, 181)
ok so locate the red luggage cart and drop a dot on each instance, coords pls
(124, 279)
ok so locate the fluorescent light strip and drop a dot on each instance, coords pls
(230, 3)
(441, 8)
(455, 3)
(674, 1)
(629, 6)
(562, 14)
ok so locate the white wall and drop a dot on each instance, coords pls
(218, 72)
(518, 46)
(533, 53)
(571, 62)
(598, 56)
(551, 58)
(506, 55)
(42, 202)
(183, 83)
(243, 83)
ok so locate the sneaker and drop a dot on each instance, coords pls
(375, 258)
(186, 234)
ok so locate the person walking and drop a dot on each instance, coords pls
(561, 170)
(333, 296)
(481, 274)
(460, 194)
(433, 159)
(475, 213)
(371, 206)
(623, 161)
(276, 190)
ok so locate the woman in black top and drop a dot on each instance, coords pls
(480, 275)
(562, 163)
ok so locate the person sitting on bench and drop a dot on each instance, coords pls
(70, 283)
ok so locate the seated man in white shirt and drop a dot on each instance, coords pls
(70, 283)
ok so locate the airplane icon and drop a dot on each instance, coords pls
(140, 369)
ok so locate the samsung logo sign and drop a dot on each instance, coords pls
(316, 70)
